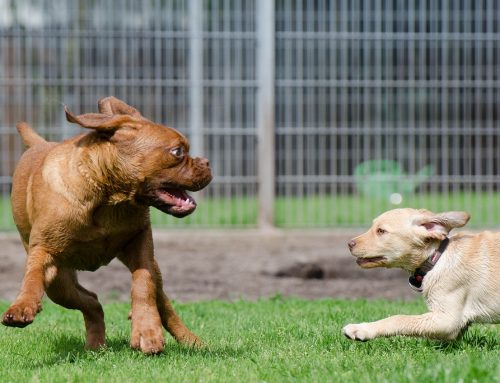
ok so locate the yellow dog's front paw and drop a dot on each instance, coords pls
(359, 332)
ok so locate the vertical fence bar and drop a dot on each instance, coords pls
(196, 76)
(265, 111)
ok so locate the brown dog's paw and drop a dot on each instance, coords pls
(148, 340)
(19, 315)
(95, 342)
(191, 340)
(152, 345)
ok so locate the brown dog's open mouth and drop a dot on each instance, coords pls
(370, 262)
(175, 201)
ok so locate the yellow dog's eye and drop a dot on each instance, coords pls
(381, 231)
(177, 152)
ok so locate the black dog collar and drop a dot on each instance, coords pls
(417, 277)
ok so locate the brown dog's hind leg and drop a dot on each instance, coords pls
(27, 304)
(65, 290)
(169, 318)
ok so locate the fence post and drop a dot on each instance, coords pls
(196, 76)
(265, 112)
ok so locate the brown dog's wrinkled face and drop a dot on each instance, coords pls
(153, 159)
(169, 171)
(401, 237)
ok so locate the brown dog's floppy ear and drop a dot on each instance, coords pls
(100, 121)
(439, 225)
(111, 105)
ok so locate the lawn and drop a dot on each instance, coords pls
(272, 340)
(315, 211)
(332, 211)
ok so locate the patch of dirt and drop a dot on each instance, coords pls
(202, 265)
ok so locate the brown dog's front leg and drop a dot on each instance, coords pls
(147, 331)
(27, 304)
(169, 317)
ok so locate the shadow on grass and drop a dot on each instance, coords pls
(69, 349)
(208, 351)
(470, 339)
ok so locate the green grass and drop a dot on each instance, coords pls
(273, 340)
(6, 221)
(315, 211)
(332, 211)
(356, 210)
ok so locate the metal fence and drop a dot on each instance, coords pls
(312, 113)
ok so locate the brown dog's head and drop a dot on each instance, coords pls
(149, 162)
(404, 238)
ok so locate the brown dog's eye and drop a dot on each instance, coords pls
(177, 152)
(381, 231)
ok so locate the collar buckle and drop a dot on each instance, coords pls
(415, 281)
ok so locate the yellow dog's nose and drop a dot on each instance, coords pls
(351, 244)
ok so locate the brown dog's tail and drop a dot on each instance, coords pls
(29, 136)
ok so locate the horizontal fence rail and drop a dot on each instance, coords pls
(312, 113)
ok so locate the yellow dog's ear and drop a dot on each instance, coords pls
(439, 225)
(111, 105)
(101, 122)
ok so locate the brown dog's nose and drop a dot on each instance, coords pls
(203, 161)
(351, 244)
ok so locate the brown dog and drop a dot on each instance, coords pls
(80, 203)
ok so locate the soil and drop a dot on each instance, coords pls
(203, 265)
